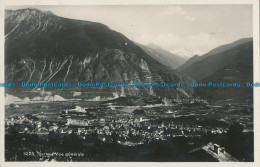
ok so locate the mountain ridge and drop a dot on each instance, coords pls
(163, 56)
(45, 47)
(214, 51)
(230, 65)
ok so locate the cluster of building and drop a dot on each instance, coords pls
(134, 129)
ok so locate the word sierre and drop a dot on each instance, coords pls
(55, 154)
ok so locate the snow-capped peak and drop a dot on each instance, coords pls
(185, 53)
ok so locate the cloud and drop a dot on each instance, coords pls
(163, 40)
(177, 10)
(173, 10)
(191, 18)
(213, 33)
(203, 41)
(202, 37)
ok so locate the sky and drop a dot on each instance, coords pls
(171, 27)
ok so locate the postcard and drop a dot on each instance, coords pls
(146, 83)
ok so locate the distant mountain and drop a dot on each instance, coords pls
(219, 49)
(223, 48)
(188, 63)
(186, 54)
(163, 56)
(43, 47)
(228, 63)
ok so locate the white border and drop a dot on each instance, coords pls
(255, 4)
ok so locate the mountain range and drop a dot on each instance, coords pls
(43, 47)
(163, 56)
(228, 63)
(187, 54)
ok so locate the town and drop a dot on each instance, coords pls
(130, 126)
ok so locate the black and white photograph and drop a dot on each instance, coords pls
(130, 83)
